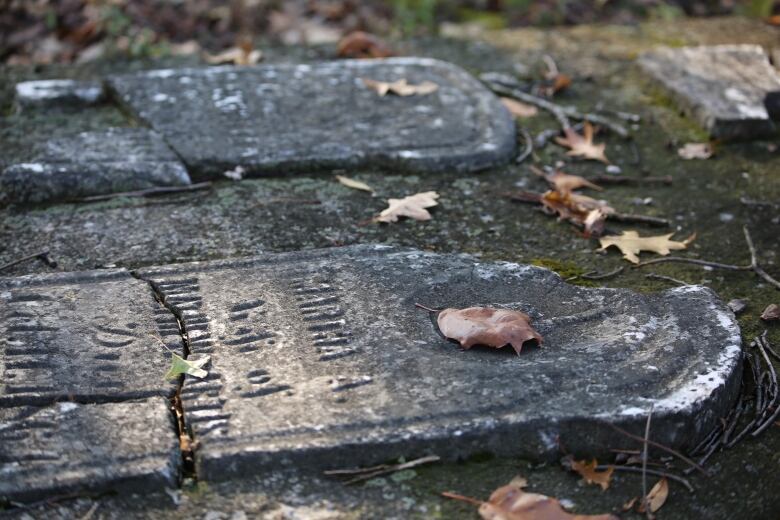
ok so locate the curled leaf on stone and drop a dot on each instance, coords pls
(413, 206)
(242, 54)
(579, 209)
(400, 87)
(656, 497)
(354, 184)
(486, 326)
(519, 109)
(771, 313)
(696, 151)
(511, 502)
(193, 367)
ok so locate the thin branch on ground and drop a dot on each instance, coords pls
(660, 446)
(462, 498)
(376, 471)
(43, 256)
(616, 179)
(529, 146)
(653, 276)
(774, 392)
(658, 473)
(507, 86)
(645, 441)
(639, 219)
(593, 275)
(161, 190)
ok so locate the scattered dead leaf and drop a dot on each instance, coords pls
(656, 497)
(631, 244)
(696, 151)
(355, 185)
(587, 471)
(628, 505)
(487, 326)
(242, 55)
(564, 182)
(362, 45)
(510, 502)
(580, 209)
(582, 145)
(594, 223)
(771, 313)
(412, 206)
(401, 87)
(519, 109)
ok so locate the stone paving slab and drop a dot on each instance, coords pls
(69, 447)
(272, 119)
(94, 163)
(92, 336)
(321, 359)
(723, 87)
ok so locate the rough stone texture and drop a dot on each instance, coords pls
(94, 163)
(91, 336)
(71, 447)
(59, 92)
(723, 87)
(321, 359)
(272, 119)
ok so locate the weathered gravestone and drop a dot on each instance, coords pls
(71, 448)
(94, 163)
(91, 337)
(321, 359)
(272, 119)
(731, 90)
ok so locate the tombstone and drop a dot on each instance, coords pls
(321, 359)
(274, 119)
(730, 90)
(95, 336)
(74, 448)
(94, 163)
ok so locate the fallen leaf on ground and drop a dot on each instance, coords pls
(412, 206)
(401, 87)
(487, 326)
(631, 244)
(518, 109)
(359, 44)
(242, 55)
(628, 505)
(510, 502)
(587, 471)
(582, 145)
(193, 367)
(656, 497)
(565, 182)
(696, 151)
(355, 185)
(594, 223)
(771, 313)
(580, 209)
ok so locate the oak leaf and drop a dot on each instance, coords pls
(580, 209)
(487, 326)
(587, 471)
(696, 151)
(510, 502)
(400, 87)
(656, 497)
(412, 206)
(631, 244)
(518, 109)
(359, 44)
(582, 145)
(355, 185)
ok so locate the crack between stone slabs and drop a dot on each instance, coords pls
(186, 441)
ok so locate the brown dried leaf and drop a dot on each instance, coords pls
(696, 151)
(236, 56)
(771, 313)
(359, 44)
(518, 109)
(656, 497)
(354, 184)
(510, 502)
(631, 244)
(580, 209)
(582, 145)
(587, 471)
(412, 206)
(487, 326)
(400, 87)
(564, 182)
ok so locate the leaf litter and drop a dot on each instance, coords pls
(354, 184)
(414, 206)
(582, 145)
(400, 87)
(631, 244)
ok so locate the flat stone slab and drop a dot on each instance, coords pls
(723, 87)
(69, 447)
(43, 93)
(94, 163)
(92, 336)
(272, 119)
(321, 359)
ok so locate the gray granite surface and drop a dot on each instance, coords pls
(78, 448)
(94, 163)
(723, 87)
(273, 119)
(321, 359)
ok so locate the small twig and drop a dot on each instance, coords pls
(653, 276)
(592, 276)
(660, 446)
(43, 256)
(161, 190)
(426, 308)
(529, 146)
(754, 260)
(369, 473)
(462, 498)
(631, 469)
(616, 179)
(644, 462)
(695, 261)
(759, 342)
(640, 219)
